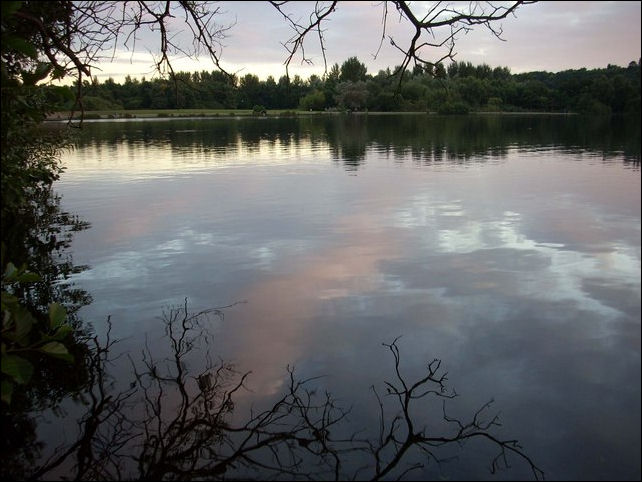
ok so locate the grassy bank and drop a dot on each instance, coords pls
(180, 113)
(168, 113)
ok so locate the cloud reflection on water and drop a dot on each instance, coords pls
(522, 273)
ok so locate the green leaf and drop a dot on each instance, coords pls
(61, 333)
(10, 270)
(7, 298)
(17, 368)
(7, 391)
(24, 322)
(22, 46)
(57, 315)
(28, 277)
(11, 273)
(58, 350)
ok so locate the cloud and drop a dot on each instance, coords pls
(549, 36)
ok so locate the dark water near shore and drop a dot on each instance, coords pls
(506, 246)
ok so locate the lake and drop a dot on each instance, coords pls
(507, 246)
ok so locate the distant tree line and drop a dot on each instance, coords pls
(458, 88)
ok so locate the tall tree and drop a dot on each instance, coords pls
(352, 70)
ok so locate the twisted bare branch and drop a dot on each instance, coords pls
(174, 423)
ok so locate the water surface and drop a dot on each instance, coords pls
(508, 247)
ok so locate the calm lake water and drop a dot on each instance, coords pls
(506, 246)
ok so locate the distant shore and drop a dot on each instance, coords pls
(230, 113)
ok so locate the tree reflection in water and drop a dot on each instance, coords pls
(176, 423)
(177, 419)
(37, 237)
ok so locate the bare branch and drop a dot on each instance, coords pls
(184, 428)
(296, 43)
(434, 33)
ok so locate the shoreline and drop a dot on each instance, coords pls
(230, 114)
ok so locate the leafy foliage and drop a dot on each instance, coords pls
(35, 321)
(20, 333)
(612, 90)
(352, 70)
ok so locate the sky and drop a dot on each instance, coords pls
(550, 36)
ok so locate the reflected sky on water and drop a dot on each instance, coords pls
(507, 246)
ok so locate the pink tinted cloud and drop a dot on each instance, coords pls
(549, 36)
